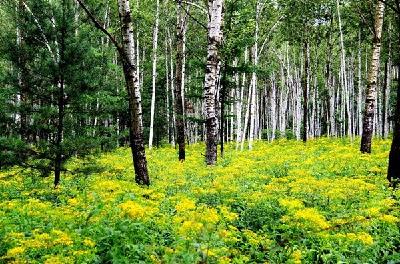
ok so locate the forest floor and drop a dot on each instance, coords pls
(284, 202)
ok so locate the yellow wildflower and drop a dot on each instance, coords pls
(80, 252)
(38, 241)
(296, 255)
(210, 215)
(365, 238)
(389, 219)
(62, 238)
(133, 209)
(58, 260)
(16, 251)
(190, 226)
(185, 205)
(291, 203)
(89, 243)
(73, 202)
(229, 216)
(313, 216)
(373, 211)
(224, 260)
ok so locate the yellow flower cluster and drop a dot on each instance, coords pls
(185, 205)
(296, 255)
(62, 238)
(312, 217)
(133, 209)
(16, 251)
(291, 204)
(363, 237)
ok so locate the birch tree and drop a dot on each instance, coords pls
(127, 53)
(371, 93)
(154, 75)
(214, 36)
(178, 87)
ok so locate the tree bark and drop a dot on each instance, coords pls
(306, 84)
(368, 119)
(173, 124)
(135, 101)
(359, 86)
(393, 174)
(214, 34)
(60, 84)
(180, 122)
(254, 79)
(154, 75)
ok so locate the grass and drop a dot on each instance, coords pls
(284, 202)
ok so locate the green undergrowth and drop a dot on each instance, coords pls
(283, 202)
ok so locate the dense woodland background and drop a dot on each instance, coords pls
(273, 69)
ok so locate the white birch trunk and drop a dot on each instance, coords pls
(154, 75)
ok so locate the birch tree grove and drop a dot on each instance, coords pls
(175, 73)
(214, 36)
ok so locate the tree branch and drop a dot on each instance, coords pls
(46, 42)
(269, 34)
(195, 19)
(194, 4)
(99, 26)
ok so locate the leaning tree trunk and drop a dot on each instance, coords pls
(135, 101)
(179, 118)
(368, 119)
(210, 84)
(154, 76)
(127, 53)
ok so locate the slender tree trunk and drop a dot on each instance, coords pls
(154, 76)
(306, 84)
(172, 80)
(137, 47)
(135, 102)
(167, 78)
(359, 86)
(222, 112)
(330, 102)
(386, 90)
(215, 8)
(384, 98)
(345, 113)
(239, 136)
(368, 119)
(246, 118)
(273, 107)
(61, 103)
(180, 122)
(254, 80)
